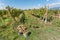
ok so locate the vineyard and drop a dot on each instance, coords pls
(43, 23)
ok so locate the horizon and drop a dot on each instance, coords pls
(29, 4)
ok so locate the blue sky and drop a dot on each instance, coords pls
(28, 4)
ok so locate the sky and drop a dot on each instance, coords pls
(28, 4)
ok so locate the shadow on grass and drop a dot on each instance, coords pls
(29, 33)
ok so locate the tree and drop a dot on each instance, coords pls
(22, 20)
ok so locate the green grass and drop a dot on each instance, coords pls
(44, 32)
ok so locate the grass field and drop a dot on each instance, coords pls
(44, 32)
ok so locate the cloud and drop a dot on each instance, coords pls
(51, 5)
(37, 6)
(54, 4)
(47, 0)
(2, 6)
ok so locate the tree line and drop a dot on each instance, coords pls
(18, 15)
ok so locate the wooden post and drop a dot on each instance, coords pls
(59, 13)
(46, 14)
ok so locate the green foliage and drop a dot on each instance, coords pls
(39, 12)
(15, 12)
(44, 32)
(50, 18)
(22, 20)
